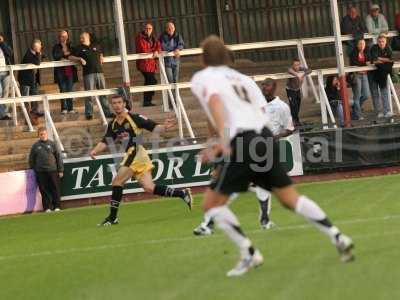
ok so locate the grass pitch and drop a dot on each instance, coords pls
(152, 254)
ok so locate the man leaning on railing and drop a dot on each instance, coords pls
(91, 58)
(29, 80)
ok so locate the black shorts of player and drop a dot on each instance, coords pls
(254, 159)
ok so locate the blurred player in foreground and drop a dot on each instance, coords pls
(126, 129)
(279, 120)
(247, 153)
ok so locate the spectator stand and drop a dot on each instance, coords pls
(176, 100)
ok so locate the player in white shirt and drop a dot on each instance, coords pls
(278, 119)
(247, 154)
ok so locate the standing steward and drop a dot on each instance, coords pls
(45, 159)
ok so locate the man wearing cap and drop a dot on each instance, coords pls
(376, 22)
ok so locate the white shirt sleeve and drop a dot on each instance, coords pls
(286, 117)
(203, 88)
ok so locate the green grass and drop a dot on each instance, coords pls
(152, 254)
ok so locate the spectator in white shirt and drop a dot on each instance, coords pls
(376, 22)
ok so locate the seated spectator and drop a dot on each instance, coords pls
(6, 58)
(293, 88)
(46, 161)
(90, 56)
(171, 41)
(146, 42)
(29, 80)
(382, 57)
(376, 22)
(354, 25)
(332, 90)
(360, 57)
(65, 77)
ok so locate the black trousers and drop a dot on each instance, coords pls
(294, 104)
(49, 186)
(149, 79)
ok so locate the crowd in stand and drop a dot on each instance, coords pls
(90, 57)
(360, 53)
(364, 84)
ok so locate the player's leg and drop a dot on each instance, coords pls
(123, 175)
(207, 226)
(215, 206)
(310, 210)
(146, 181)
(264, 199)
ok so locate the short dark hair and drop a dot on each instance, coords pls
(117, 97)
(269, 81)
(215, 53)
(41, 129)
(296, 59)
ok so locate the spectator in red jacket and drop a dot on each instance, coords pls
(147, 42)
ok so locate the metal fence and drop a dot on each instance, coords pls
(240, 20)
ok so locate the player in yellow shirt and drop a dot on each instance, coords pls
(126, 129)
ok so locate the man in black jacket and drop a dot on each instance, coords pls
(6, 58)
(45, 159)
(29, 80)
(65, 77)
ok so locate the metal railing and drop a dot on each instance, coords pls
(176, 99)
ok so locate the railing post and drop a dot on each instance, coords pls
(102, 115)
(324, 115)
(18, 92)
(51, 127)
(392, 92)
(302, 57)
(164, 80)
(14, 105)
(179, 115)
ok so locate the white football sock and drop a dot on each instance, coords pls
(206, 221)
(225, 219)
(312, 212)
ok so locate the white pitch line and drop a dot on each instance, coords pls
(191, 238)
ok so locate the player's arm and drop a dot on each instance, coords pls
(100, 147)
(221, 145)
(167, 125)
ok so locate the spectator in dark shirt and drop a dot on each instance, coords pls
(6, 58)
(91, 58)
(354, 25)
(146, 42)
(29, 80)
(171, 41)
(382, 57)
(293, 88)
(332, 90)
(65, 77)
(360, 57)
(45, 159)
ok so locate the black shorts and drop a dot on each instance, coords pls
(254, 159)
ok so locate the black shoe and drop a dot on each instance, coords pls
(188, 198)
(108, 222)
(89, 117)
(148, 104)
(6, 118)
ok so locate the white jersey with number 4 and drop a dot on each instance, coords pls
(240, 95)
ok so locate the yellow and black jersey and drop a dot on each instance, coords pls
(128, 130)
(136, 157)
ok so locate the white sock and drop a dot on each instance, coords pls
(225, 219)
(313, 213)
(206, 220)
